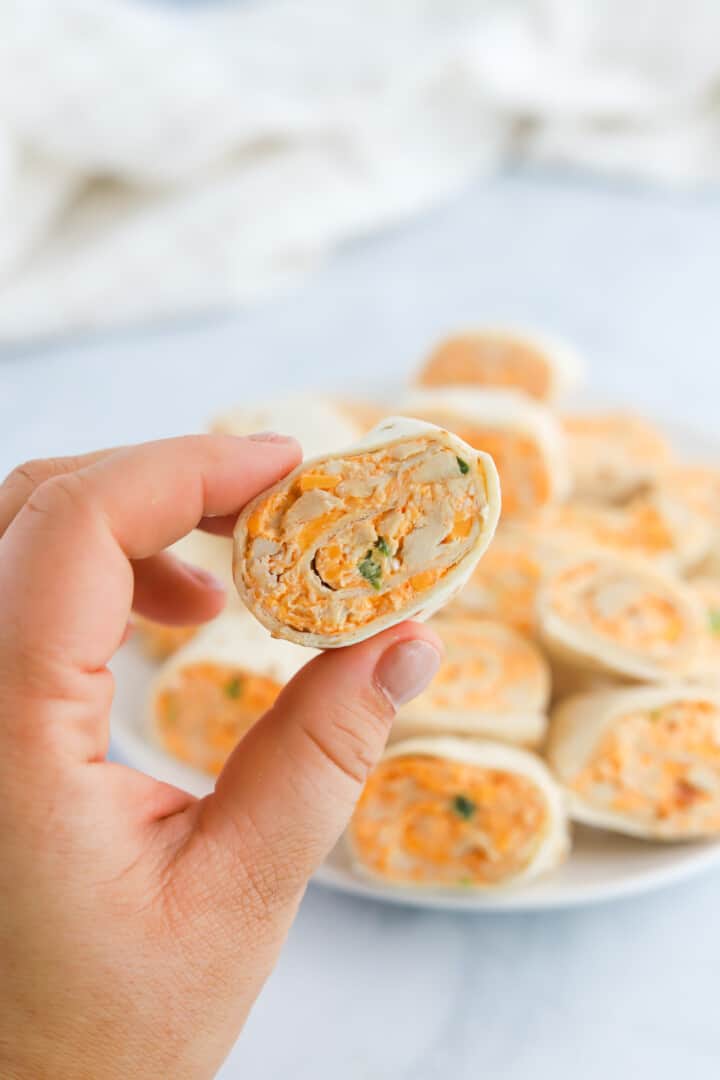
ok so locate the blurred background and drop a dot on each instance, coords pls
(548, 161)
(205, 203)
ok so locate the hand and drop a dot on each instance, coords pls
(138, 924)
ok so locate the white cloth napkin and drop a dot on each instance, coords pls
(155, 162)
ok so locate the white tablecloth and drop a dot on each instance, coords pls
(153, 162)
(365, 992)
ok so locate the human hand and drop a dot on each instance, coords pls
(138, 924)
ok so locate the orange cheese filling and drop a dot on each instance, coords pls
(485, 669)
(311, 481)
(429, 821)
(699, 487)
(620, 431)
(614, 453)
(504, 586)
(525, 479)
(489, 360)
(639, 529)
(208, 709)
(661, 768)
(363, 536)
(642, 618)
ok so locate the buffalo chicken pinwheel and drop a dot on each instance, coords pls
(698, 487)
(499, 357)
(492, 683)
(614, 455)
(208, 695)
(707, 590)
(523, 438)
(505, 583)
(657, 528)
(615, 617)
(356, 541)
(439, 811)
(644, 761)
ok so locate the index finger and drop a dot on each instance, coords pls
(24, 479)
(19, 485)
(64, 572)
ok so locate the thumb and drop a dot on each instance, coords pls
(290, 787)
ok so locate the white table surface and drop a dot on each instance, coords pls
(362, 991)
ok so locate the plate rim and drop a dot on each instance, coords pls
(512, 900)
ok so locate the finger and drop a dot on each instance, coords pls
(289, 788)
(65, 577)
(64, 570)
(173, 592)
(184, 481)
(23, 480)
(19, 485)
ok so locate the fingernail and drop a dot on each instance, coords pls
(270, 436)
(405, 669)
(203, 577)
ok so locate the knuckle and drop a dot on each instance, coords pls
(351, 738)
(27, 476)
(60, 493)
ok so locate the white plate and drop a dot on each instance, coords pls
(602, 866)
